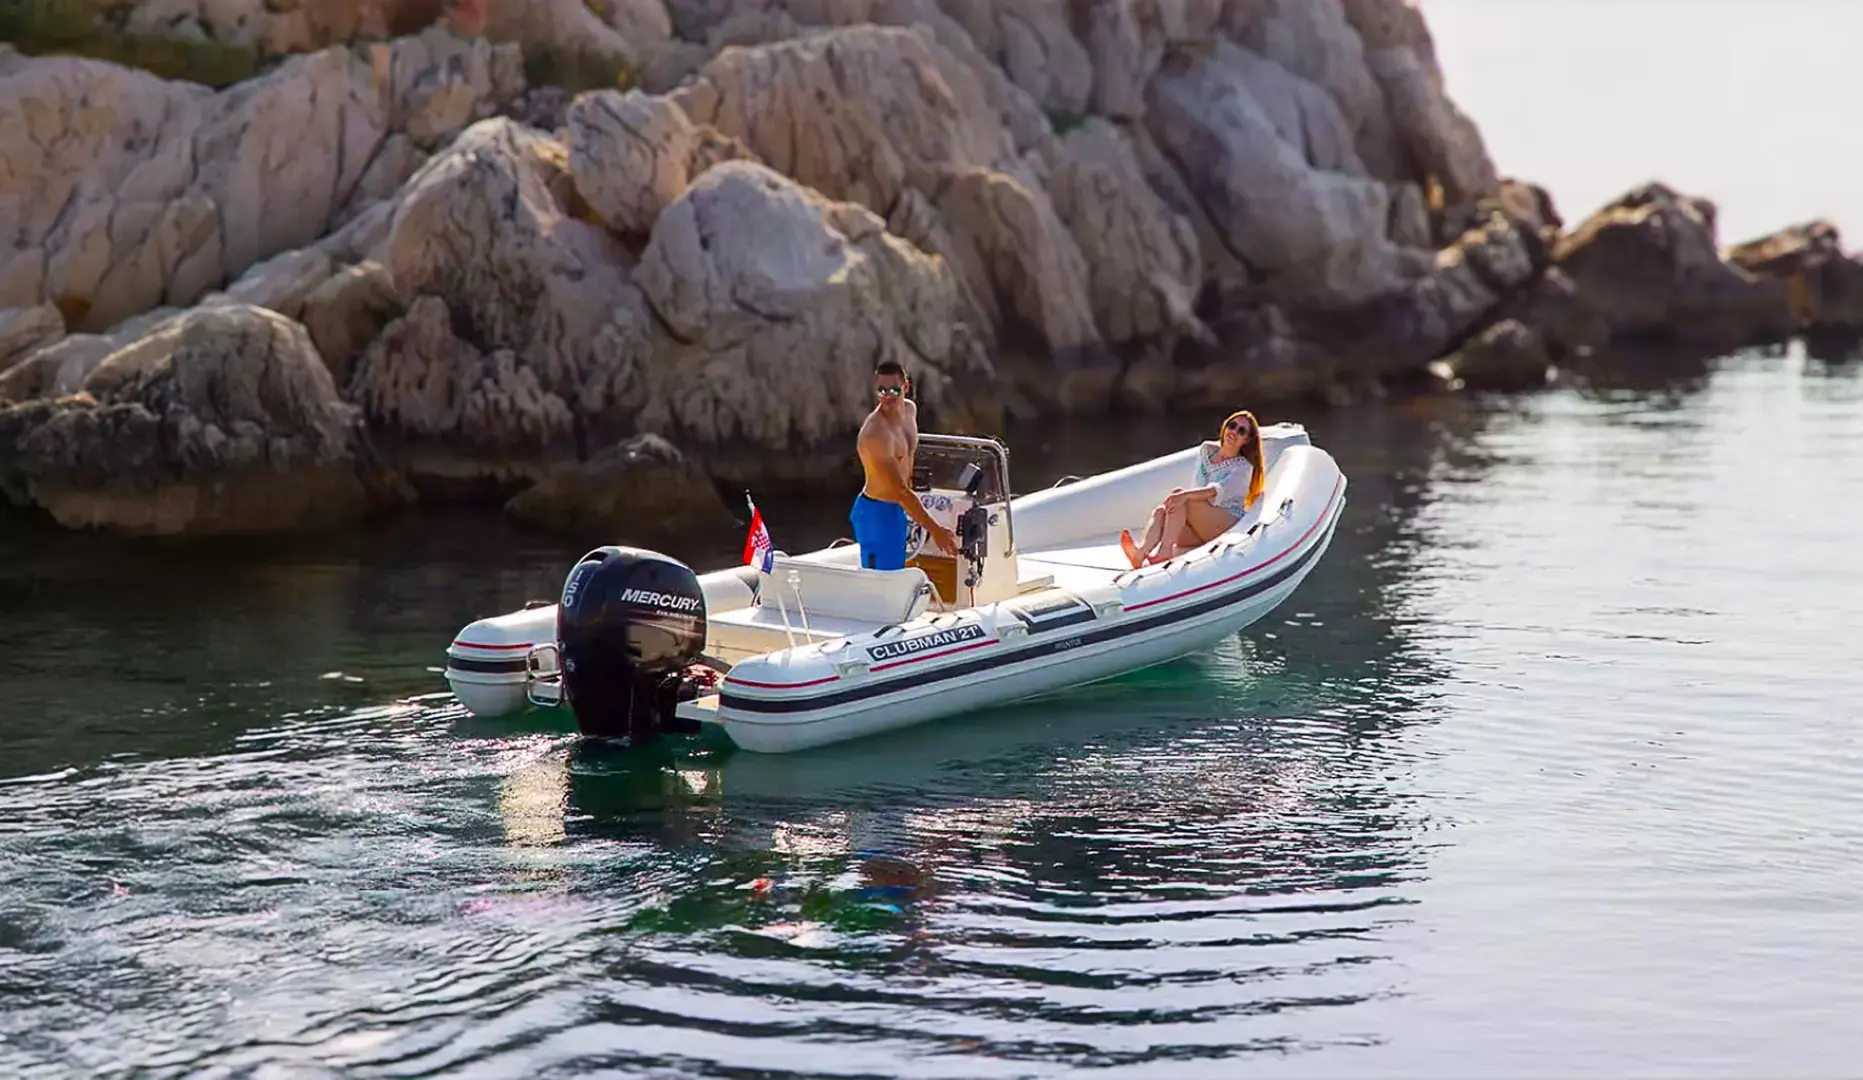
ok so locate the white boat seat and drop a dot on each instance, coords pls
(840, 601)
(752, 630)
(844, 592)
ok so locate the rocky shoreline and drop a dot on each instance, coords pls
(403, 265)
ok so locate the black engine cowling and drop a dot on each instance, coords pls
(629, 625)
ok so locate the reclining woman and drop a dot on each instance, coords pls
(1229, 479)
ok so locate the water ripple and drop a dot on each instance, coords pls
(1555, 767)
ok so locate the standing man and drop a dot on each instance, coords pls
(889, 438)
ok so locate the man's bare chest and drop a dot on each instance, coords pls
(895, 444)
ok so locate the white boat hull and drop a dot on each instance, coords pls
(1081, 616)
(1030, 666)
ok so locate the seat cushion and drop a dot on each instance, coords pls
(845, 592)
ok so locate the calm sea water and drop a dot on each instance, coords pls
(1553, 767)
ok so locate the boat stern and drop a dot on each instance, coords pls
(488, 665)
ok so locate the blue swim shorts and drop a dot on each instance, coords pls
(881, 529)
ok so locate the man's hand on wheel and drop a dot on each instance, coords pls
(944, 538)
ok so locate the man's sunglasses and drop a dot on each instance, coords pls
(889, 391)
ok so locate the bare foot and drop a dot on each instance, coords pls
(1131, 549)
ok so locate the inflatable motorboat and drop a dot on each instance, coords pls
(806, 650)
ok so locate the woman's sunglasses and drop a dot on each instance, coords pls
(1237, 426)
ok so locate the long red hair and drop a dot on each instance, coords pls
(1251, 452)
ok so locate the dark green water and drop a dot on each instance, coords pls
(1553, 767)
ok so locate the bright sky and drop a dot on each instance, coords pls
(1752, 103)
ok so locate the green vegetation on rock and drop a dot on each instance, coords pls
(97, 29)
(1063, 122)
(575, 70)
(93, 28)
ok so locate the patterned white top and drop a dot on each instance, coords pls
(1231, 477)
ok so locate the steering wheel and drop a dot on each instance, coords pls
(916, 539)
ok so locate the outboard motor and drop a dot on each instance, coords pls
(630, 625)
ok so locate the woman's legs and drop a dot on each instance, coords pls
(1154, 534)
(1171, 533)
(1170, 530)
(1207, 521)
(1202, 523)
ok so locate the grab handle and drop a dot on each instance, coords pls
(543, 675)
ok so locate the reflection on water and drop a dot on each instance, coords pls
(246, 829)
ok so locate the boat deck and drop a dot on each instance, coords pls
(1077, 566)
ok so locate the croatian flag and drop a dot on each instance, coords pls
(757, 547)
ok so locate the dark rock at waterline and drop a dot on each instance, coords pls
(1507, 356)
(1833, 345)
(642, 490)
(220, 419)
(1646, 271)
(1403, 329)
(1649, 266)
(1567, 324)
(1824, 285)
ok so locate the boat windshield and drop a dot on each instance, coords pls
(979, 467)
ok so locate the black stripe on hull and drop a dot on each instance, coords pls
(1064, 643)
(488, 667)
